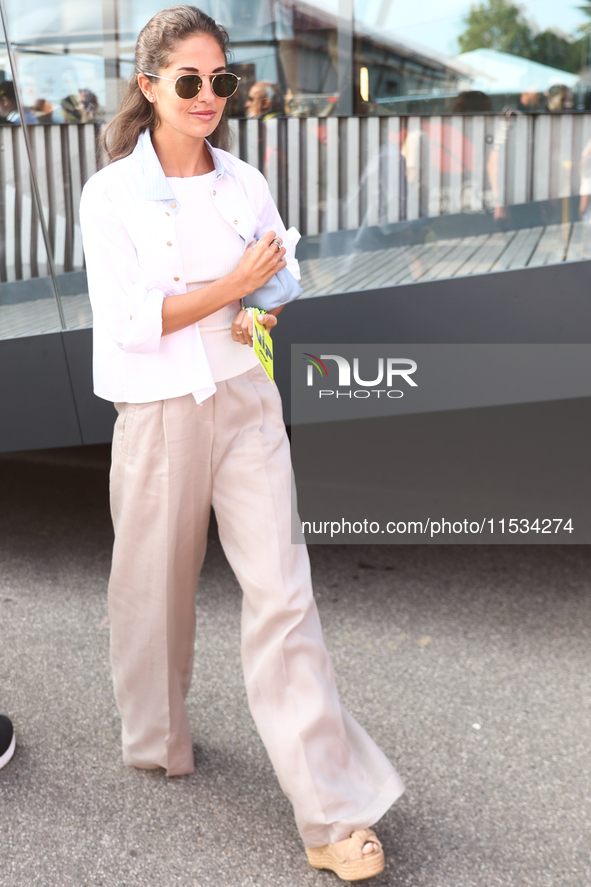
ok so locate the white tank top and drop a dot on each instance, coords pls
(210, 249)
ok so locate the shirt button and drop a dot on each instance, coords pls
(235, 221)
(173, 205)
(168, 243)
(167, 214)
(177, 278)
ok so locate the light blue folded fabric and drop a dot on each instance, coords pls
(279, 290)
(282, 287)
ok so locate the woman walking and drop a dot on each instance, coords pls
(166, 226)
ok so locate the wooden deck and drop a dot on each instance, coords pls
(460, 257)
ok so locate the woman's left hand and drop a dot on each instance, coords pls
(242, 325)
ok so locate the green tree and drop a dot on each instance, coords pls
(555, 50)
(498, 24)
(586, 28)
(501, 25)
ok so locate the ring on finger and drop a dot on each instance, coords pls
(278, 242)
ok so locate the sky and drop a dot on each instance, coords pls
(436, 23)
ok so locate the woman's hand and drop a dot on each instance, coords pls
(254, 269)
(242, 325)
(261, 260)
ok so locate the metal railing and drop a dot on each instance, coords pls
(326, 174)
(329, 174)
(65, 157)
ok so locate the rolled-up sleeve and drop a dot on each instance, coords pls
(124, 300)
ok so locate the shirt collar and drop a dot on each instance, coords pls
(157, 186)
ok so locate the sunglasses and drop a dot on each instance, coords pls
(187, 86)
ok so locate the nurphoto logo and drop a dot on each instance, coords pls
(390, 370)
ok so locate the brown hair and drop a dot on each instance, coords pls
(155, 44)
(472, 101)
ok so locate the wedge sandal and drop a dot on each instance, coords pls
(346, 858)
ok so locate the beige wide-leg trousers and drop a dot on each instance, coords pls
(172, 459)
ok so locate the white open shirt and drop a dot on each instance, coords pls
(133, 261)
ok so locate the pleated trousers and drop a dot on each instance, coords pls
(172, 460)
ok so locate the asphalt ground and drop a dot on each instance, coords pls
(468, 665)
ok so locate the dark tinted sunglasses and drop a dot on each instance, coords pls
(187, 86)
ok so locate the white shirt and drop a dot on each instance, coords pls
(210, 248)
(133, 261)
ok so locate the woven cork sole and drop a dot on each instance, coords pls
(348, 870)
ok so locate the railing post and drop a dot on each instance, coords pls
(565, 156)
(352, 174)
(371, 173)
(434, 136)
(456, 164)
(477, 175)
(312, 176)
(332, 174)
(252, 143)
(293, 172)
(541, 145)
(520, 159)
(413, 168)
(271, 145)
(393, 170)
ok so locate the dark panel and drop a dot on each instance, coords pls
(96, 416)
(519, 461)
(36, 402)
(535, 305)
(532, 305)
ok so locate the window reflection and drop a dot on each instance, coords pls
(305, 56)
(406, 143)
(59, 53)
